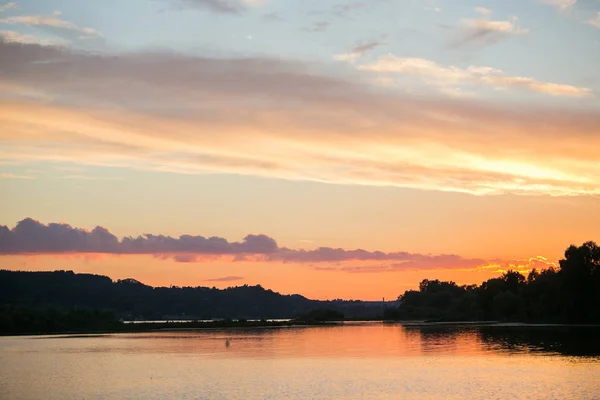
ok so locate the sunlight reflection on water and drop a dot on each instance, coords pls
(370, 361)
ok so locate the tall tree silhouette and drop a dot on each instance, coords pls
(580, 272)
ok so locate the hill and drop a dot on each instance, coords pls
(130, 299)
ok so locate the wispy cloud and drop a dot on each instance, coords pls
(486, 31)
(343, 9)
(226, 279)
(16, 37)
(319, 26)
(32, 237)
(16, 90)
(91, 177)
(483, 11)
(357, 51)
(457, 92)
(595, 21)
(433, 8)
(308, 124)
(7, 6)
(7, 175)
(452, 262)
(219, 6)
(473, 75)
(52, 22)
(560, 4)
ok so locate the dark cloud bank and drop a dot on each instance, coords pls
(32, 237)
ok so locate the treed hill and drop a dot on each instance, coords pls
(130, 299)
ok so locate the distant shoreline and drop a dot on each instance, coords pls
(173, 326)
(157, 327)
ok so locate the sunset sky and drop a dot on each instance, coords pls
(336, 149)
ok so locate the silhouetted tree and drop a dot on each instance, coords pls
(580, 273)
(568, 294)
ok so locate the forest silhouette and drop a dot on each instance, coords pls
(567, 294)
(63, 301)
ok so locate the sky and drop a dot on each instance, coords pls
(336, 149)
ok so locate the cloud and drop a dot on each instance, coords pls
(432, 8)
(521, 265)
(183, 258)
(51, 22)
(457, 92)
(21, 91)
(91, 178)
(473, 75)
(5, 175)
(595, 21)
(483, 11)
(404, 260)
(290, 120)
(485, 31)
(450, 262)
(560, 4)
(346, 8)
(253, 3)
(319, 26)
(357, 51)
(219, 6)
(31, 237)
(226, 279)
(16, 37)
(7, 6)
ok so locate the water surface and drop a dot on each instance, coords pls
(354, 361)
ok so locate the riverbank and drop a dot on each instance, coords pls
(175, 326)
(171, 326)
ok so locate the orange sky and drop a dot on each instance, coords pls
(352, 166)
(367, 280)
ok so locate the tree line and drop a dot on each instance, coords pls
(569, 293)
(129, 299)
(15, 320)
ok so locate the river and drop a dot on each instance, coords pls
(352, 361)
